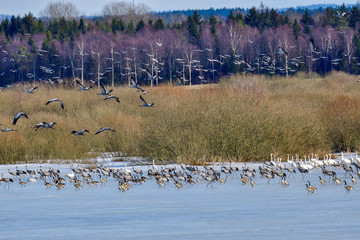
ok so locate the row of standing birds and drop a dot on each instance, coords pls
(305, 165)
(81, 132)
(181, 175)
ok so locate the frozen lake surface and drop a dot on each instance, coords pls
(223, 211)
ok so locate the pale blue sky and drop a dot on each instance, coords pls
(93, 7)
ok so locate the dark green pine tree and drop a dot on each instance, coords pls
(193, 30)
(32, 45)
(43, 57)
(40, 26)
(140, 25)
(72, 29)
(252, 17)
(62, 30)
(28, 23)
(239, 18)
(114, 25)
(54, 27)
(306, 20)
(230, 18)
(343, 21)
(296, 29)
(33, 51)
(274, 19)
(197, 18)
(354, 17)
(159, 24)
(121, 25)
(213, 22)
(82, 27)
(19, 25)
(5, 27)
(50, 54)
(285, 20)
(354, 64)
(130, 28)
(46, 43)
(13, 26)
(198, 22)
(343, 8)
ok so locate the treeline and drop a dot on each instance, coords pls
(188, 49)
(224, 12)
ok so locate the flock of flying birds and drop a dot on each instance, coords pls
(81, 132)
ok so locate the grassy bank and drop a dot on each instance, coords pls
(242, 118)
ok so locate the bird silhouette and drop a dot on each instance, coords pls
(103, 90)
(82, 88)
(80, 133)
(31, 90)
(145, 103)
(136, 86)
(19, 115)
(55, 100)
(44, 125)
(313, 48)
(112, 97)
(104, 129)
(8, 130)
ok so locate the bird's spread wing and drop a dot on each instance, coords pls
(100, 130)
(78, 83)
(51, 100)
(103, 91)
(56, 100)
(148, 72)
(103, 129)
(32, 89)
(61, 104)
(180, 81)
(18, 115)
(142, 91)
(111, 96)
(84, 130)
(143, 100)
(114, 97)
(133, 83)
(312, 45)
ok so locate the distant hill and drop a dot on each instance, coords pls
(323, 6)
(226, 11)
(314, 7)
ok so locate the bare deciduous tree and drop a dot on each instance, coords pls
(125, 10)
(285, 44)
(82, 54)
(234, 36)
(60, 9)
(349, 46)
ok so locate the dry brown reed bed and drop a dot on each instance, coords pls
(244, 118)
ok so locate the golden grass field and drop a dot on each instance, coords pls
(244, 118)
